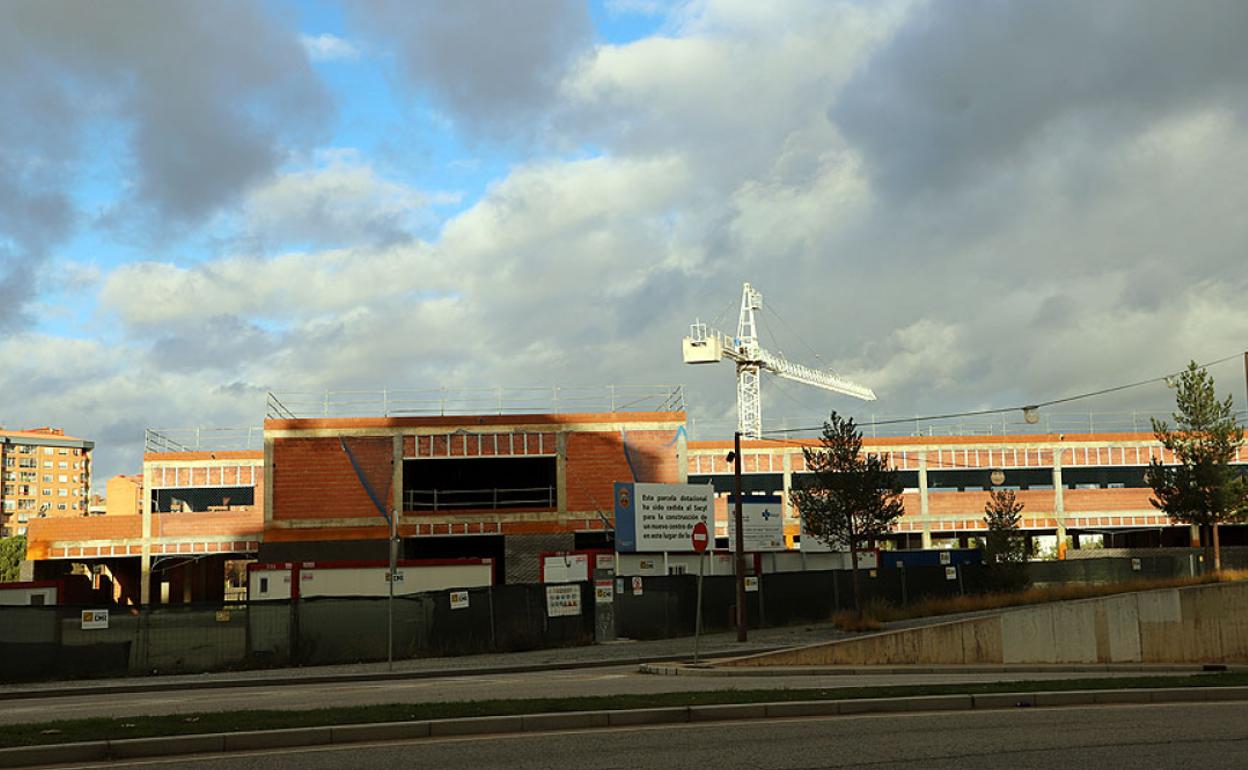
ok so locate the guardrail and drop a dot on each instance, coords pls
(478, 499)
(472, 401)
(202, 439)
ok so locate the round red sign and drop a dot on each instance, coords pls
(701, 538)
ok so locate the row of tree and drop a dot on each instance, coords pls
(851, 497)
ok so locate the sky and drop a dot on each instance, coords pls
(963, 205)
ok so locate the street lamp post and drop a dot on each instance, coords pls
(742, 631)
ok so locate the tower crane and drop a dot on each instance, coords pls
(706, 345)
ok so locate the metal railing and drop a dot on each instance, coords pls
(478, 499)
(1008, 424)
(475, 401)
(203, 439)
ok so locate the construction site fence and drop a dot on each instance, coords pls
(49, 642)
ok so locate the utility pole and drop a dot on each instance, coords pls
(740, 537)
(394, 568)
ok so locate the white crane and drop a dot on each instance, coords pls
(705, 345)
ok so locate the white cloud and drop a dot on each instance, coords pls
(341, 201)
(1071, 262)
(327, 47)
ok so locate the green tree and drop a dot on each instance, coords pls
(1004, 543)
(1005, 550)
(850, 497)
(12, 554)
(1200, 487)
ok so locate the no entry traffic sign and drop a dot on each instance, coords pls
(701, 537)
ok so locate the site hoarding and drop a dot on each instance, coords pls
(660, 518)
(762, 519)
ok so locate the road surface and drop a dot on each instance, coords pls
(1199, 736)
(614, 680)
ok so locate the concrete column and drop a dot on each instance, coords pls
(1195, 530)
(682, 457)
(396, 479)
(145, 555)
(1059, 503)
(561, 472)
(786, 484)
(268, 480)
(927, 524)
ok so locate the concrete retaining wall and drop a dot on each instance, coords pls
(1198, 624)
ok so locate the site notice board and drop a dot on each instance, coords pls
(762, 517)
(657, 518)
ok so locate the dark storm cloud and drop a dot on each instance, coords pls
(965, 86)
(490, 63)
(206, 96)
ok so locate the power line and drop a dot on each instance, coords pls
(1026, 407)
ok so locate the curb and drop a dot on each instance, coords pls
(84, 687)
(329, 735)
(661, 668)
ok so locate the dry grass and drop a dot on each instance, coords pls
(878, 612)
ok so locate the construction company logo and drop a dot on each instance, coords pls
(623, 496)
(767, 514)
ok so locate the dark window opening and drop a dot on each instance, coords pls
(975, 479)
(751, 483)
(1107, 476)
(197, 499)
(479, 484)
(593, 541)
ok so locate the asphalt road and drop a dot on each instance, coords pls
(614, 680)
(1204, 736)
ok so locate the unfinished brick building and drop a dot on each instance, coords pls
(1070, 484)
(505, 486)
(201, 506)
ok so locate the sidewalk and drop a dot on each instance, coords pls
(623, 652)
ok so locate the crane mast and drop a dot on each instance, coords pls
(706, 345)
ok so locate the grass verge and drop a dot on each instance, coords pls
(79, 730)
(877, 613)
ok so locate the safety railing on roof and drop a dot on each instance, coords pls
(473, 401)
(1009, 424)
(203, 439)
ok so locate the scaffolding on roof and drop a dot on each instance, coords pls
(431, 402)
(203, 439)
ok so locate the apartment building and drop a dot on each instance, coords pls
(43, 474)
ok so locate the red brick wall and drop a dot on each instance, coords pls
(595, 461)
(313, 477)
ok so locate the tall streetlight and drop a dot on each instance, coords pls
(734, 457)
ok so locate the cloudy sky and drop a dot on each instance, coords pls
(961, 204)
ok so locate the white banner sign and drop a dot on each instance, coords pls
(658, 518)
(565, 568)
(563, 600)
(763, 524)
